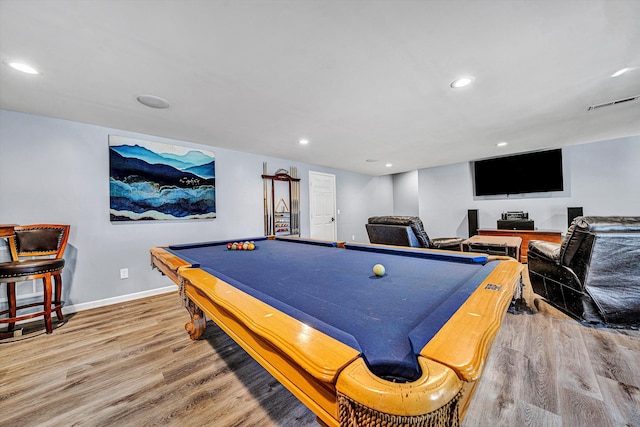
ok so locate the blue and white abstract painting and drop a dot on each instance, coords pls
(155, 181)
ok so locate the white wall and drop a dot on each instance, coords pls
(602, 177)
(57, 171)
(444, 199)
(359, 198)
(406, 194)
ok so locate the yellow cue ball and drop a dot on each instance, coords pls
(378, 270)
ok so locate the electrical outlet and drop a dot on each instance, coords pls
(353, 237)
(124, 273)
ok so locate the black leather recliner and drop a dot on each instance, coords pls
(594, 275)
(406, 231)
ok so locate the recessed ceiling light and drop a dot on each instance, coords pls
(388, 165)
(303, 141)
(153, 101)
(461, 82)
(620, 72)
(502, 144)
(21, 66)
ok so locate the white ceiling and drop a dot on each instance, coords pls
(360, 79)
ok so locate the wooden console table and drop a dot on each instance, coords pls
(526, 235)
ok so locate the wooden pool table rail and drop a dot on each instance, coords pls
(317, 368)
(482, 312)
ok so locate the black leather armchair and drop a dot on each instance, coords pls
(594, 275)
(406, 231)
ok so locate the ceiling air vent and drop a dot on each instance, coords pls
(610, 103)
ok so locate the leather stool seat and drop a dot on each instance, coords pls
(18, 270)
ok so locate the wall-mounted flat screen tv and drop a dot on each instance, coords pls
(534, 172)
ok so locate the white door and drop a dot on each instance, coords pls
(322, 205)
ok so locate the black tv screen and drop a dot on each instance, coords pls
(534, 172)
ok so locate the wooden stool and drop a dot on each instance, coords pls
(44, 245)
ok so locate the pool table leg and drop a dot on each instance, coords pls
(518, 304)
(198, 323)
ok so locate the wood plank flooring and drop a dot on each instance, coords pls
(132, 364)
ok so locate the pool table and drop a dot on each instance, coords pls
(356, 348)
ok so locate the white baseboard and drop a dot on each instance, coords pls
(116, 300)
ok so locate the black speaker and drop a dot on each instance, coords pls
(573, 213)
(472, 218)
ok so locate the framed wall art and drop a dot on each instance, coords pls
(156, 181)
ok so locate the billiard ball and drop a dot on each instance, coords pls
(378, 270)
(229, 245)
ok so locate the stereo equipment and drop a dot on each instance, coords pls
(515, 215)
(573, 213)
(515, 220)
(515, 224)
(472, 220)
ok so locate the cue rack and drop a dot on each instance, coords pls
(281, 217)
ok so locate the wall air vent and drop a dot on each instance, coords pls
(610, 103)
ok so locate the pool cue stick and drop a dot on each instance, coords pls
(264, 184)
(292, 187)
(297, 195)
(272, 208)
(292, 173)
(297, 203)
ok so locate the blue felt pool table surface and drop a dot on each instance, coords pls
(388, 319)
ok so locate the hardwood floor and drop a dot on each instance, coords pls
(133, 364)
